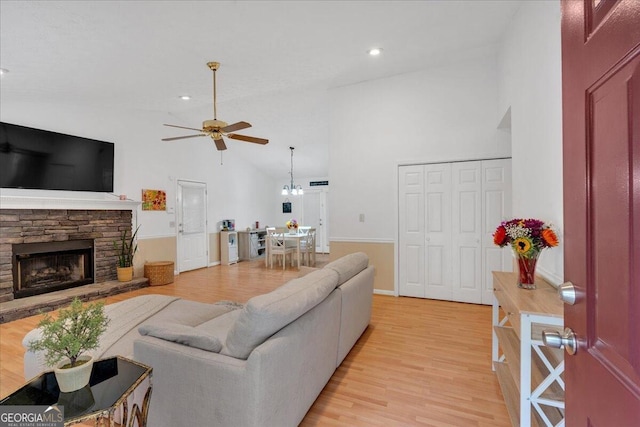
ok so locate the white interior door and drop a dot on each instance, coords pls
(411, 245)
(447, 214)
(314, 204)
(496, 194)
(466, 234)
(193, 242)
(437, 261)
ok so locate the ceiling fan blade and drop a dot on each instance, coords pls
(236, 126)
(248, 138)
(220, 145)
(182, 127)
(182, 137)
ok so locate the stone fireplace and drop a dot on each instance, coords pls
(40, 268)
(83, 240)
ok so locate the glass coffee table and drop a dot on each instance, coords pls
(111, 388)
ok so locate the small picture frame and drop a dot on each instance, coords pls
(286, 207)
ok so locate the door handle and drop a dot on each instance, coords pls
(567, 340)
(567, 293)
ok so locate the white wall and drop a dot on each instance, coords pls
(297, 208)
(439, 114)
(530, 83)
(235, 189)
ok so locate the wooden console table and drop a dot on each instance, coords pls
(530, 374)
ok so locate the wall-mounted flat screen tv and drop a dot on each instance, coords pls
(39, 159)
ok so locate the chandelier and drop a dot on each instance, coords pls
(294, 190)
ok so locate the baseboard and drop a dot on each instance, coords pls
(383, 292)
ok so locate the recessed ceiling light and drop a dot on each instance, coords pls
(3, 71)
(375, 51)
(185, 97)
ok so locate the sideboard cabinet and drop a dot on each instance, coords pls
(252, 244)
(530, 374)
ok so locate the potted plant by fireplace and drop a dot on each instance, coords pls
(64, 340)
(126, 249)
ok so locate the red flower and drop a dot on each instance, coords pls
(500, 236)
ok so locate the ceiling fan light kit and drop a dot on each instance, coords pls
(294, 190)
(215, 128)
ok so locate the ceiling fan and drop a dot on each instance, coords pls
(215, 128)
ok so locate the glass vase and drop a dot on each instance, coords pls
(527, 271)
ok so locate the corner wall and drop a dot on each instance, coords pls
(530, 84)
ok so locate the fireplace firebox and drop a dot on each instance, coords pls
(39, 268)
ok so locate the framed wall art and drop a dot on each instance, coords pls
(154, 200)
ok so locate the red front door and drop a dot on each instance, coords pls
(601, 120)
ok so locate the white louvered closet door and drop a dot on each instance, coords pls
(411, 233)
(437, 178)
(447, 214)
(466, 212)
(496, 205)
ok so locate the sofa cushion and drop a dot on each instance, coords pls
(348, 266)
(266, 314)
(182, 334)
(219, 327)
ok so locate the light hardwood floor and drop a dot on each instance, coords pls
(420, 362)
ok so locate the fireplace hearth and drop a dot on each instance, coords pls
(51, 266)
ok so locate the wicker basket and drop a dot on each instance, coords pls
(159, 273)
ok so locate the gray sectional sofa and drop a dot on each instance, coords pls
(261, 364)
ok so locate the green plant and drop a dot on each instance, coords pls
(76, 329)
(126, 248)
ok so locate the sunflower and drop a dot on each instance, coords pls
(522, 245)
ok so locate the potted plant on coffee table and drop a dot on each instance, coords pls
(63, 340)
(126, 249)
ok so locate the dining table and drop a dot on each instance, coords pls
(296, 237)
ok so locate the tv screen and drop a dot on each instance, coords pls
(39, 159)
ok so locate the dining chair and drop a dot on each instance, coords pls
(308, 246)
(267, 244)
(277, 247)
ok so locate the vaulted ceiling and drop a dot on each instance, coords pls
(279, 59)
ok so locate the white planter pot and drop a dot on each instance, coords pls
(72, 379)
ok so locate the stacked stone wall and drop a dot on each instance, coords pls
(57, 225)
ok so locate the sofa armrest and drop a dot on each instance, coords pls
(357, 299)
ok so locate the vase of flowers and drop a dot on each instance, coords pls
(292, 225)
(527, 237)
